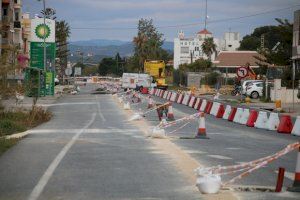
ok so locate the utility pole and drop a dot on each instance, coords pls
(45, 52)
(205, 22)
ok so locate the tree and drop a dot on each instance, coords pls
(148, 43)
(62, 34)
(209, 47)
(107, 66)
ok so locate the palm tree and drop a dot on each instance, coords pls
(209, 47)
(62, 34)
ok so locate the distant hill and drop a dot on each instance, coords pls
(107, 48)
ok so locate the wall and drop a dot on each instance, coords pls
(285, 95)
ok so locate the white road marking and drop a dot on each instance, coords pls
(38, 189)
(288, 175)
(47, 131)
(220, 157)
(67, 104)
(194, 152)
(99, 109)
(233, 148)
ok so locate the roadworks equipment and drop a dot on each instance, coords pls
(158, 133)
(215, 108)
(186, 100)
(203, 105)
(150, 102)
(221, 111)
(232, 114)
(238, 115)
(170, 114)
(245, 116)
(208, 183)
(227, 112)
(192, 102)
(208, 107)
(296, 128)
(285, 125)
(252, 118)
(273, 122)
(196, 106)
(296, 184)
(201, 134)
(126, 106)
(180, 99)
(262, 120)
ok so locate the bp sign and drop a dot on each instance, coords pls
(37, 54)
(39, 30)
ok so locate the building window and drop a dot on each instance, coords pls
(181, 43)
(16, 1)
(185, 43)
(17, 16)
(184, 50)
(4, 11)
(236, 36)
(197, 49)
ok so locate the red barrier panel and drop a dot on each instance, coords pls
(208, 107)
(220, 111)
(252, 118)
(162, 93)
(199, 104)
(285, 125)
(232, 114)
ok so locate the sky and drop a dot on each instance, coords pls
(117, 19)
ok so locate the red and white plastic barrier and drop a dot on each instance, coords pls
(203, 105)
(180, 98)
(192, 101)
(296, 128)
(196, 106)
(245, 116)
(227, 112)
(273, 122)
(186, 99)
(262, 120)
(238, 115)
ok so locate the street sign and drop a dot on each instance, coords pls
(78, 71)
(39, 30)
(68, 71)
(37, 54)
(242, 72)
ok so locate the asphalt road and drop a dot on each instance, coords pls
(89, 151)
(232, 143)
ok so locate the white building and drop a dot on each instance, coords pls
(187, 50)
(230, 42)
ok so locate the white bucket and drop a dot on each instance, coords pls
(158, 133)
(209, 184)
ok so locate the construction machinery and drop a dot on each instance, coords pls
(156, 69)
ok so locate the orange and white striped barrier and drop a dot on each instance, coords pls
(173, 97)
(169, 96)
(238, 115)
(227, 112)
(215, 108)
(180, 99)
(245, 116)
(186, 99)
(196, 106)
(203, 105)
(192, 101)
(273, 122)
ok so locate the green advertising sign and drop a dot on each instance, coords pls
(35, 82)
(50, 83)
(37, 55)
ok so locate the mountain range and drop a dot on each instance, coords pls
(107, 48)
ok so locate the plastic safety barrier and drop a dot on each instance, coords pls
(238, 115)
(186, 100)
(296, 128)
(192, 101)
(227, 112)
(252, 118)
(245, 116)
(273, 122)
(203, 105)
(285, 125)
(262, 120)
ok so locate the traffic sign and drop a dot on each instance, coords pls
(242, 72)
(68, 71)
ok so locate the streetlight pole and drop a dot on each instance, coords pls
(45, 57)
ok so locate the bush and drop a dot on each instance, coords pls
(8, 127)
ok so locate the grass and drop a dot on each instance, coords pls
(18, 121)
(5, 144)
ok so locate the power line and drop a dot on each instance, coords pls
(190, 24)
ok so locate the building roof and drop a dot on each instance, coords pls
(204, 31)
(236, 58)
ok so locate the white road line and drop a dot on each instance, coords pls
(99, 109)
(38, 189)
(66, 104)
(220, 157)
(288, 175)
(194, 152)
(233, 148)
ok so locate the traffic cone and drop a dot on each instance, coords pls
(170, 114)
(150, 102)
(285, 125)
(201, 134)
(221, 111)
(296, 185)
(252, 118)
(232, 114)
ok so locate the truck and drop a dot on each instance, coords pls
(156, 69)
(136, 81)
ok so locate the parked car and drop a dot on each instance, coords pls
(255, 90)
(246, 83)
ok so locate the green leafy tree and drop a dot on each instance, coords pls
(209, 47)
(107, 66)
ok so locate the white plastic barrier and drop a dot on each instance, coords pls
(197, 103)
(180, 97)
(273, 122)
(157, 92)
(186, 100)
(262, 120)
(203, 105)
(296, 128)
(215, 108)
(245, 116)
(173, 96)
(166, 94)
(191, 103)
(238, 115)
(227, 112)
(161, 93)
(169, 95)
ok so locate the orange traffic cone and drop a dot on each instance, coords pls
(170, 114)
(150, 102)
(296, 185)
(201, 134)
